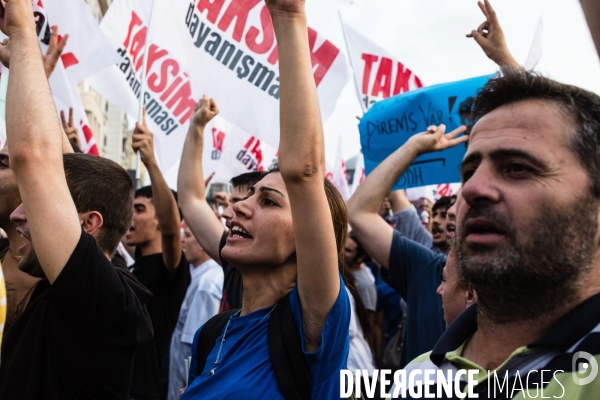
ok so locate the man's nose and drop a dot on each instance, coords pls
(18, 215)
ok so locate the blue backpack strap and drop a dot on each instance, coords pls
(287, 357)
(211, 331)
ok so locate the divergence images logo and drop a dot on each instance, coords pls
(580, 369)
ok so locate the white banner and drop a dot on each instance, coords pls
(63, 90)
(244, 153)
(168, 94)
(359, 173)
(233, 57)
(336, 173)
(88, 51)
(378, 75)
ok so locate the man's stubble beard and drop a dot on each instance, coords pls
(30, 264)
(544, 273)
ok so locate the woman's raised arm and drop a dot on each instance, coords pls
(302, 166)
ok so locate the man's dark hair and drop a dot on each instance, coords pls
(580, 106)
(146, 192)
(99, 184)
(248, 179)
(443, 202)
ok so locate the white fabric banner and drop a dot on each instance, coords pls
(336, 172)
(359, 173)
(537, 46)
(244, 153)
(231, 46)
(88, 51)
(63, 89)
(378, 75)
(192, 51)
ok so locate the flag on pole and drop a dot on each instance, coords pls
(378, 75)
(88, 51)
(63, 90)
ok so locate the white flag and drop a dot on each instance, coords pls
(233, 57)
(244, 153)
(378, 75)
(535, 54)
(88, 51)
(337, 174)
(359, 173)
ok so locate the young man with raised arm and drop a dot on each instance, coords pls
(84, 322)
(160, 266)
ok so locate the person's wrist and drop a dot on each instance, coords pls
(288, 16)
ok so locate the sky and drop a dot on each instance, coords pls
(428, 36)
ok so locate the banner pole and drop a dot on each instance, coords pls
(138, 159)
(362, 106)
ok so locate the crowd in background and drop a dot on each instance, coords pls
(153, 294)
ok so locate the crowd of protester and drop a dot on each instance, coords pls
(115, 293)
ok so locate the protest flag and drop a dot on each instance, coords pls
(337, 173)
(535, 53)
(377, 74)
(359, 173)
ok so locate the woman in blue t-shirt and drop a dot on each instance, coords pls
(286, 236)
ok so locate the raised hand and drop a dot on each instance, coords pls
(70, 128)
(143, 141)
(490, 37)
(16, 16)
(54, 51)
(435, 139)
(204, 111)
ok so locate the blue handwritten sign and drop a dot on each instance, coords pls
(391, 122)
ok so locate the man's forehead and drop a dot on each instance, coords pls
(541, 119)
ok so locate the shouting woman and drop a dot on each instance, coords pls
(286, 238)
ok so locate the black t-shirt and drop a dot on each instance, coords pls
(168, 291)
(77, 337)
(233, 287)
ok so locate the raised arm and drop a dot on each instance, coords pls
(490, 37)
(35, 145)
(191, 189)
(372, 231)
(302, 166)
(164, 202)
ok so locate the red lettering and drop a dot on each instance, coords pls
(135, 21)
(163, 79)
(171, 89)
(383, 81)
(323, 57)
(274, 56)
(402, 79)
(214, 8)
(184, 102)
(418, 82)
(269, 34)
(69, 59)
(218, 139)
(137, 46)
(255, 149)
(369, 60)
(154, 53)
(238, 9)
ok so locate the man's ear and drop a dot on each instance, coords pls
(91, 222)
(471, 295)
